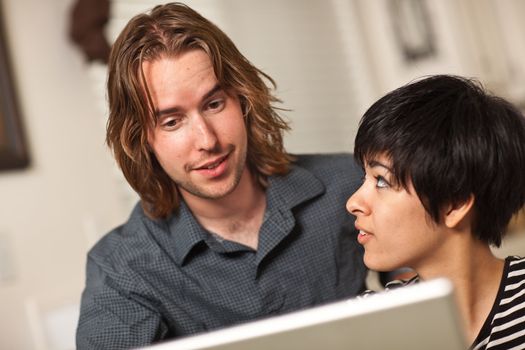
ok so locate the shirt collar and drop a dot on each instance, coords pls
(298, 186)
(282, 195)
(185, 232)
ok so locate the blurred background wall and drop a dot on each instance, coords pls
(330, 58)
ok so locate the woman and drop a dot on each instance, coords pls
(445, 172)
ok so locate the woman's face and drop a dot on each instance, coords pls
(394, 227)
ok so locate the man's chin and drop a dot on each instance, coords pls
(208, 192)
(216, 189)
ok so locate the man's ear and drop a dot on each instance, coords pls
(455, 213)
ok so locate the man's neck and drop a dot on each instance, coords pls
(237, 216)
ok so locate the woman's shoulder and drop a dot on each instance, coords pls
(514, 267)
(392, 285)
(401, 283)
(515, 260)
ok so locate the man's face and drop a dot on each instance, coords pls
(200, 137)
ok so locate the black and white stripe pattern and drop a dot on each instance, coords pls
(391, 285)
(505, 326)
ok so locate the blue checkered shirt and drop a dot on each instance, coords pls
(152, 280)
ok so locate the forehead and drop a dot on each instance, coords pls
(186, 68)
(178, 81)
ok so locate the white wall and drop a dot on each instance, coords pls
(48, 210)
(329, 58)
(301, 44)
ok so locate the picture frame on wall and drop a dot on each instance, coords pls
(13, 147)
(413, 29)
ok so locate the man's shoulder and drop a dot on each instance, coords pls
(337, 166)
(124, 241)
(313, 160)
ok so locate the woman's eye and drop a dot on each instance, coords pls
(381, 182)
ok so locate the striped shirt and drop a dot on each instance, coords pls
(504, 328)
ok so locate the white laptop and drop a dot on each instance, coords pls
(420, 316)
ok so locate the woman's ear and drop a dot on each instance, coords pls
(455, 213)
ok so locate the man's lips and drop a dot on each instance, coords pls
(211, 163)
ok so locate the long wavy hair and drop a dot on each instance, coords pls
(169, 30)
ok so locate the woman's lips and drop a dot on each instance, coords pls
(363, 237)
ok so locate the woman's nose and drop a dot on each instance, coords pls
(356, 204)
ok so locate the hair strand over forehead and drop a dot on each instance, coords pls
(451, 139)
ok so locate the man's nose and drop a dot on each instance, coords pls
(205, 133)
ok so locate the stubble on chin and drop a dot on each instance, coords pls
(205, 192)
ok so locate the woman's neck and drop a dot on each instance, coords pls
(476, 275)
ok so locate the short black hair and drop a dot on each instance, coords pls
(451, 139)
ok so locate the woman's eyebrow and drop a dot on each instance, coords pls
(375, 163)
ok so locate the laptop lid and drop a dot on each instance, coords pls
(419, 316)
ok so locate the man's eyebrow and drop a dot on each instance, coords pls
(375, 163)
(213, 90)
(171, 110)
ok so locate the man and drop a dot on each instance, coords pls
(230, 228)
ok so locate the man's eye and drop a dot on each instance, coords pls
(216, 105)
(170, 123)
(381, 182)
